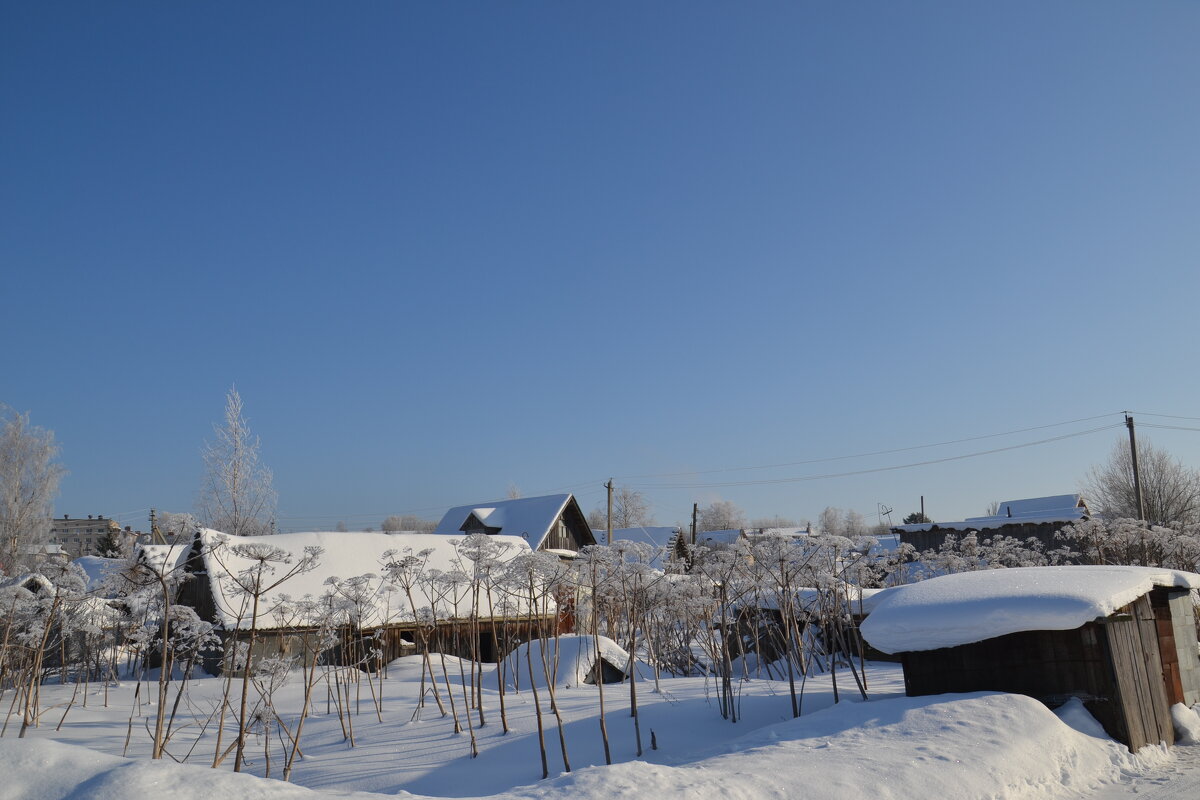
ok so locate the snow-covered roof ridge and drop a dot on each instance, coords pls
(344, 556)
(967, 607)
(527, 517)
(1030, 511)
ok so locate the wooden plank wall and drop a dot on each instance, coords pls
(1183, 623)
(1133, 648)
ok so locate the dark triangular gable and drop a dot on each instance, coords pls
(475, 525)
(570, 531)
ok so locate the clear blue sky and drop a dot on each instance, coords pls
(445, 247)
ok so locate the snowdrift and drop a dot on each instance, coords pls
(576, 662)
(963, 746)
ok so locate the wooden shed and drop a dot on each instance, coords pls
(1121, 639)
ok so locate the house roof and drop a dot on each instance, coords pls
(345, 556)
(1032, 510)
(967, 607)
(529, 518)
(717, 538)
(658, 537)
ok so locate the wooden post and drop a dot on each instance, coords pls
(1137, 480)
(609, 486)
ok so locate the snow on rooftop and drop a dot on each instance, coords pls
(1030, 511)
(163, 558)
(967, 607)
(711, 538)
(1041, 506)
(527, 517)
(98, 568)
(658, 537)
(344, 556)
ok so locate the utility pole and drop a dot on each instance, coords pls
(608, 486)
(923, 507)
(156, 536)
(1137, 479)
(695, 510)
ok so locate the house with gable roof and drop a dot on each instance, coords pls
(552, 523)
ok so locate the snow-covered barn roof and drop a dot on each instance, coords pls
(97, 569)
(30, 581)
(711, 538)
(163, 558)
(967, 607)
(344, 556)
(529, 518)
(658, 537)
(1032, 510)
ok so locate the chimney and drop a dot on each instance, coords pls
(89, 516)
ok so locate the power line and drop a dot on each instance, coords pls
(874, 453)
(892, 468)
(1168, 427)
(1168, 416)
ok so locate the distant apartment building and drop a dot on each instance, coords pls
(82, 537)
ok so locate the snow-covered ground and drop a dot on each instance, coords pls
(961, 746)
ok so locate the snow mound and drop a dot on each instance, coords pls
(569, 661)
(1187, 724)
(48, 770)
(978, 745)
(967, 607)
(1075, 714)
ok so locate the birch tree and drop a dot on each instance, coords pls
(237, 496)
(29, 476)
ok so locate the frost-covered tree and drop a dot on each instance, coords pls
(630, 509)
(408, 522)
(853, 524)
(29, 476)
(1170, 490)
(1130, 542)
(830, 521)
(722, 515)
(774, 522)
(237, 496)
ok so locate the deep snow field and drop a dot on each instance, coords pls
(952, 746)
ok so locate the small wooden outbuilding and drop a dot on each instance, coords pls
(1121, 639)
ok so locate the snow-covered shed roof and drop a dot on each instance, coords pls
(658, 537)
(1071, 505)
(97, 569)
(344, 556)
(163, 558)
(792, 532)
(530, 518)
(30, 581)
(711, 538)
(1032, 510)
(967, 607)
